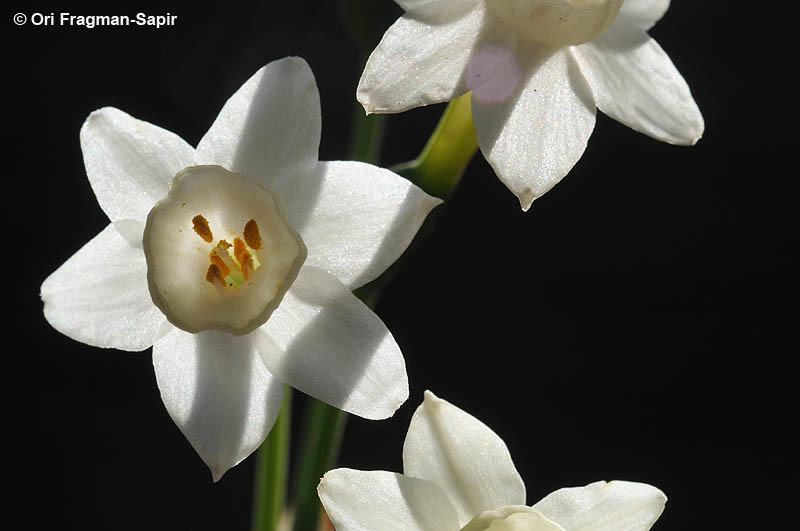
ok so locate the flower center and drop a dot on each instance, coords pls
(511, 518)
(556, 22)
(235, 286)
(230, 265)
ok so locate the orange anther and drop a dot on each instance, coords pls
(242, 256)
(217, 261)
(239, 249)
(213, 274)
(251, 235)
(202, 229)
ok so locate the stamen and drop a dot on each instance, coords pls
(251, 235)
(214, 275)
(202, 229)
(243, 256)
(229, 269)
(219, 262)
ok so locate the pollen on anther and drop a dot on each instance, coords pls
(243, 257)
(216, 260)
(213, 274)
(202, 229)
(251, 235)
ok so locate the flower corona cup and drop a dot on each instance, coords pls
(220, 251)
(556, 22)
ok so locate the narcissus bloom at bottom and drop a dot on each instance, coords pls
(235, 260)
(458, 476)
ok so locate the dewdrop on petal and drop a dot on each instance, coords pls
(220, 251)
(556, 22)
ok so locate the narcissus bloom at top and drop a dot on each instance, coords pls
(236, 261)
(538, 70)
(458, 476)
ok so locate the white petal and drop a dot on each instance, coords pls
(100, 296)
(357, 500)
(218, 392)
(604, 506)
(130, 162)
(132, 230)
(533, 137)
(325, 342)
(643, 13)
(512, 518)
(270, 128)
(357, 219)
(634, 82)
(469, 461)
(417, 63)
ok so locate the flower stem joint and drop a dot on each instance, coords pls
(233, 287)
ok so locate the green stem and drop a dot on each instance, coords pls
(324, 424)
(437, 170)
(367, 136)
(272, 461)
(322, 440)
(439, 167)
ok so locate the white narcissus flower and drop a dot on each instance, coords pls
(537, 69)
(236, 261)
(458, 475)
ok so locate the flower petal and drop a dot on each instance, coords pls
(634, 82)
(604, 506)
(328, 344)
(358, 500)
(219, 394)
(130, 162)
(469, 461)
(270, 128)
(357, 219)
(643, 13)
(417, 63)
(533, 137)
(100, 296)
(511, 518)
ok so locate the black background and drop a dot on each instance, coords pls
(638, 323)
